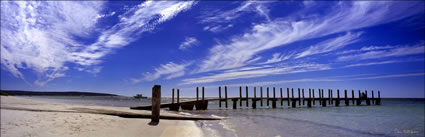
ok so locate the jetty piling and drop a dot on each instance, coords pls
(156, 104)
(347, 102)
(373, 98)
(352, 96)
(378, 101)
(197, 93)
(359, 101)
(261, 96)
(267, 97)
(320, 97)
(254, 101)
(303, 97)
(287, 95)
(246, 96)
(225, 95)
(367, 99)
(281, 97)
(219, 97)
(299, 97)
(314, 100)
(240, 96)
(337, 98)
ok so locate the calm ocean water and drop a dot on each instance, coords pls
(395, 117)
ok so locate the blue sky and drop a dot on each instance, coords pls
(126, 47)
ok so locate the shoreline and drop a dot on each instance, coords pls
(27, 117)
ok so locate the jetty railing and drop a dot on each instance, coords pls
(291, 99)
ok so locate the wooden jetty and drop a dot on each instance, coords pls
(303, 101)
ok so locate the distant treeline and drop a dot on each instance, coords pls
(52, 93)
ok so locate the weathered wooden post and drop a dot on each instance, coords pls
(267, 97)
(359, 101)
(352, 96)
(373, 98)
(203, 93)
(225, 94)
(172, 97)
(323, 98)
(347, 102)
(367, 99)
(178, 96)
(254, 101)
(320, 97)
(314, 99)
(292, 89)
(246, 96)
(197, 93)
(235, 102)
(274, 98)
(287, 95)
(309, 98)
(303, 97)
(281, 97)
(299, 97)
(156, 104)
(261, 96)
(378, 101)
(329, 96)
(240, 96)
(337, 98)
(219, 96)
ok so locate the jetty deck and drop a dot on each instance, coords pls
(271, 100)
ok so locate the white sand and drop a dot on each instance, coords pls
(19, 123)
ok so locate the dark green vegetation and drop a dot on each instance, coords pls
(52, 93)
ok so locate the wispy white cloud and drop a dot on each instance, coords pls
(394, 52)
(385, 62)
(330, 45)
(220, 16)
(390, 76)
(279, 32)
(39, 35)
(188, 43)
(170, 70)
(217, 28)
(259, 71)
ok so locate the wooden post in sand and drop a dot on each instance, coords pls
(240, 96)
(246, 96)
(219, 97)
(156, 103)
(197, 93)
(287, 95)
(178, 96)
(225, 95)
(172, 97)
(203, 93)
(261, 96)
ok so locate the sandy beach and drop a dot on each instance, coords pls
(25, 117)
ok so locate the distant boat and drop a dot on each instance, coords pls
(140, 96)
